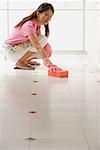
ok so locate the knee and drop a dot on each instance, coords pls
(48, 49)
(42, 40)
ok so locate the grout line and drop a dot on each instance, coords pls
(81, 124)
(7, 17)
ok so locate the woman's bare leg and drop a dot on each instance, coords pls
(22, 62)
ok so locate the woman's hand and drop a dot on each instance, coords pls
(54, 68)
(50, 65)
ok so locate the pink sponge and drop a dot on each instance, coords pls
(58, 73)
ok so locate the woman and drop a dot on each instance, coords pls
(26, 42)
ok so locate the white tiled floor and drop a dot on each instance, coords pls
(67, 110)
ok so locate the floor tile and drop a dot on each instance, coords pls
(59, 144)
(53, 131)
(14, 144)
(94, 144)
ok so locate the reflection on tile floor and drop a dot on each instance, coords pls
(58, 113)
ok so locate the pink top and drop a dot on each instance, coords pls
(20, 34)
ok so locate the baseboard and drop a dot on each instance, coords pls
(69, 52)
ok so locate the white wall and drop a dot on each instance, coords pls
(3, 21)
(92, 37)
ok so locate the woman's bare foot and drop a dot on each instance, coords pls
(33, 63)
(22, 65)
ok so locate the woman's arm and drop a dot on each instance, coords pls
(34, 40)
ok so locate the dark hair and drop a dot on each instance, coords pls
(43, 7)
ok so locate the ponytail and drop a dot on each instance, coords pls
(30, 17)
